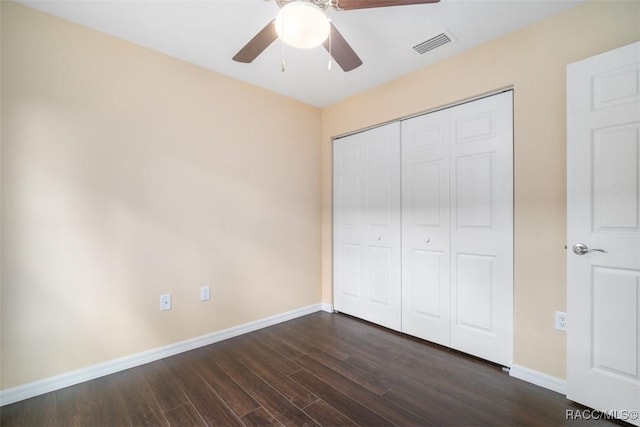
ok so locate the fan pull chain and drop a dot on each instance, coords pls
(330, 55)
(283, 64)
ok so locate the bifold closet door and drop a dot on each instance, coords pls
(425, 227)
(436, 263)
(482, 228)
(457, 227)
(366, 215)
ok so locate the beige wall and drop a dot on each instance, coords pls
(127, 174)
(533, 61)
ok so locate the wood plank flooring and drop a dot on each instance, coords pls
(322, 369)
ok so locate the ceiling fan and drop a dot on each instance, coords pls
(335, 44)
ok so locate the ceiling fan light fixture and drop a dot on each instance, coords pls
(302, 24)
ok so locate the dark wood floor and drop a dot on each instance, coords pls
(321, 369)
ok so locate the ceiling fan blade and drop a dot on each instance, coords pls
(341, 51)
(257, 44)
(368, 4)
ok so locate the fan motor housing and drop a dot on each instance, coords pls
(322, 4)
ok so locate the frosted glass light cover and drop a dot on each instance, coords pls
(302, 25)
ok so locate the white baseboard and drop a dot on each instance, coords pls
(327, 307)
(539, 378)
(36, 388)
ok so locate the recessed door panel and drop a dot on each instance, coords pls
(615, 347)
(616, 182)
(475, 290)
(616, 87)
(349, 154)
(349, 193)
(379, 263)
(474, 190)
(350, 269)
(427, 284)
(379, 146)
(429, 135)
(427, 186)
(475, 127)
(379, 197)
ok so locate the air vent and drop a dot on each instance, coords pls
(436, 41)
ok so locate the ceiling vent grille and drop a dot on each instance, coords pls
(436, 41)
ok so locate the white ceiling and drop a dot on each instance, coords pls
(209, 32)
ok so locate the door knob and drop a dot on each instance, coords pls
(582, 249)
(379, 238)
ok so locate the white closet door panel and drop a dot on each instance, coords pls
(482, 228)
(382, 225)
(425, 227)
(349, 244)
(367, 225)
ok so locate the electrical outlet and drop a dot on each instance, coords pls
(165, 302)
(205, 293)
(561, 321)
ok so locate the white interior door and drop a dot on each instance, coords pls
(425, 227)
(367, 225)
(482, 228)
(603, 204)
